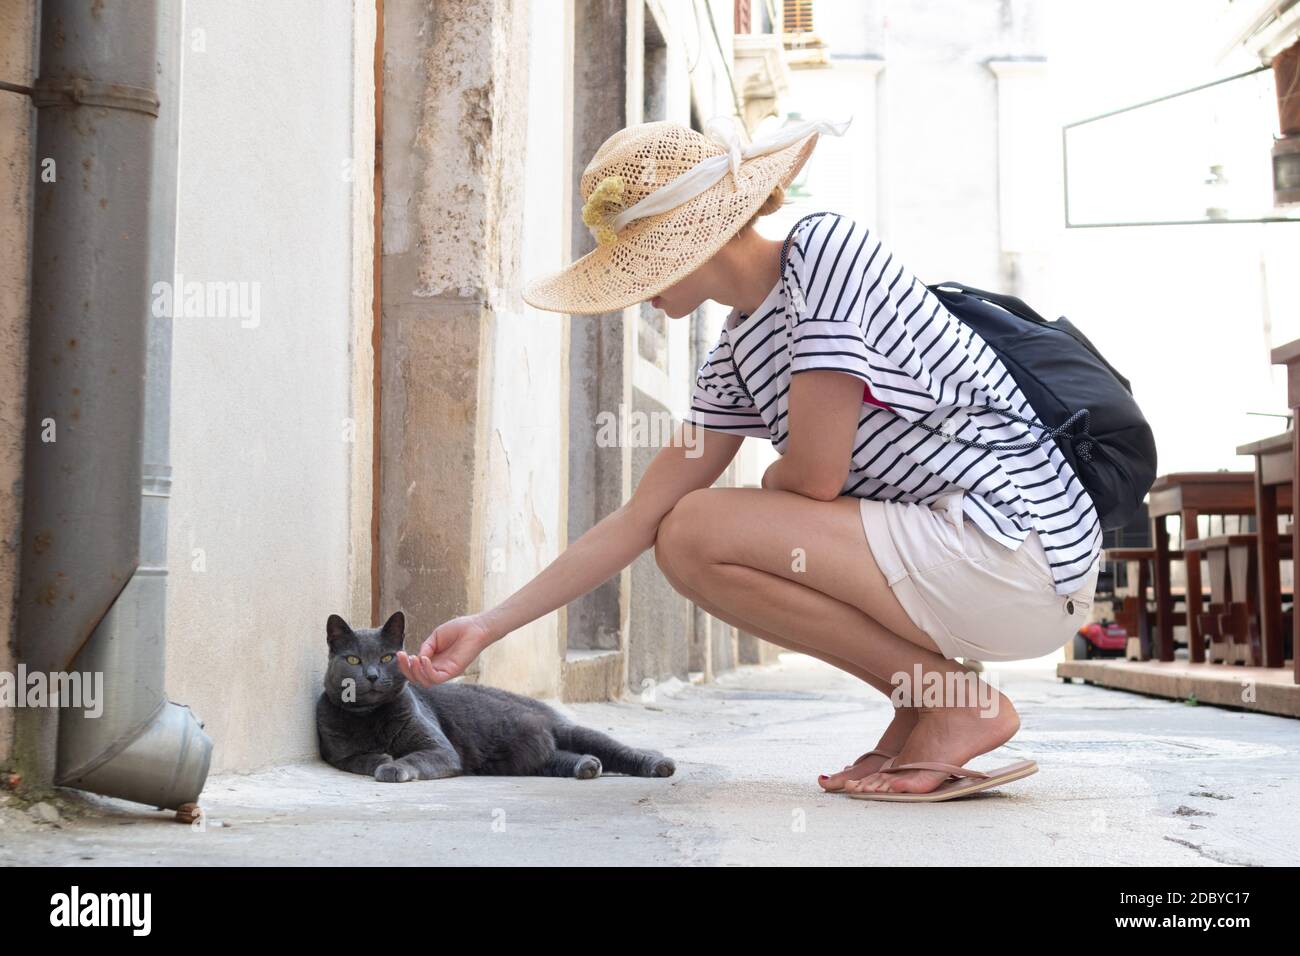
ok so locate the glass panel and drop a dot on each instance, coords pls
(1199, 156)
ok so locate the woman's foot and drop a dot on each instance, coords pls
(891, 742)
(951, 735)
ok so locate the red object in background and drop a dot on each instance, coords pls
(1105, 637)
(868, 397)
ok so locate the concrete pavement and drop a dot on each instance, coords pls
(1124, 779)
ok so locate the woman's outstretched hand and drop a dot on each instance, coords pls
(602, 551)
(446, 652)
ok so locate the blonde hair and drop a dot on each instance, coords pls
(774, 201)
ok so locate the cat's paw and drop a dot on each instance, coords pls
(660, 766)
(587, 768)
(394, 773)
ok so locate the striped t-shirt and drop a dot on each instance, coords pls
(853, 307)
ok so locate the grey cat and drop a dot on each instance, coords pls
(371, 720)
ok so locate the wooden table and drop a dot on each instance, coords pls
(1289, 355)
(1274, 494)
(1190, 494)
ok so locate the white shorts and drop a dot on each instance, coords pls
(974, 596)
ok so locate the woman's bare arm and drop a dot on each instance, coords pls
(619, 538)
(604, 550)
(824, 409)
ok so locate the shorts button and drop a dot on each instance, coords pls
(1069, 606)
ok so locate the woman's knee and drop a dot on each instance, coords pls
(678, 540)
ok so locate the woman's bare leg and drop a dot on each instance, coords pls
(802, 572)
(895, 734)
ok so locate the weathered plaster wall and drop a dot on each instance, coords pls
(600, 346)
(490, 467)
(16, 133)
(471, 416)
(361, 497)
(471, 124)
(271, 471)
(434, 318)
(524, 517)
(661, 624)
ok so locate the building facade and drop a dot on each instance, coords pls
(363, 414)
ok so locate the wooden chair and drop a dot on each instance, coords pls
(1132, 612)
(1231, 622)
(1189, 495)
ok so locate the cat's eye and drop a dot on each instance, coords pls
(386, 658)
(353, 660)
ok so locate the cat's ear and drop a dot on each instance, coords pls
(393, 632)
(336, 629)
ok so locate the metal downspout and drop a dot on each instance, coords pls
(93, 589)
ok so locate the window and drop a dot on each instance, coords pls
(798, 16)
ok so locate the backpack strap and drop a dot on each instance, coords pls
(795, 296)
(1009, 302)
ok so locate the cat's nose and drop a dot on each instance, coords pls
(372, 676)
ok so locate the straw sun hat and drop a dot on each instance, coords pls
(661, 199)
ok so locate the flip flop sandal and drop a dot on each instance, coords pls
(869, 753)
(963, 782)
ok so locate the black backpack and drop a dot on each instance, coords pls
(1086, 405)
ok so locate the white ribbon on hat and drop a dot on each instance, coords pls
(725, 131)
